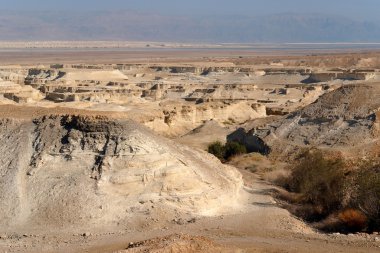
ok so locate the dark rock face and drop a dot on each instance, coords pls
(251, 141)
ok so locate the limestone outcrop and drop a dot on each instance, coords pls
(65, 170)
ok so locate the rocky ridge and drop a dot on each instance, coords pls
(66, 170)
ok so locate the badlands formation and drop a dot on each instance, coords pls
(111, 157)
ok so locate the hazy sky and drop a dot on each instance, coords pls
(358, 9)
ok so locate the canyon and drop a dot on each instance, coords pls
(110, 155)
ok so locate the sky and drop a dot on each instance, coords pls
(356, 9)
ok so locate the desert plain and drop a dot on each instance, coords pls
(104, 149)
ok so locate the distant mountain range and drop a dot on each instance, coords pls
(128, 25)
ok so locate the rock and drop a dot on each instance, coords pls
(193, 220)
(179, 221)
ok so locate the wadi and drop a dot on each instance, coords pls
(189, 150)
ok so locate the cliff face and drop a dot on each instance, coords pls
(178, 119)
(91, 171)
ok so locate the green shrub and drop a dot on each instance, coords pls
(217, 149)
(225, 152)
(234, 148)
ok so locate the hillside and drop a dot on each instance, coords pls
(96, 172)
(345, 120)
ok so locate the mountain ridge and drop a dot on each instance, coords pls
(143, 26)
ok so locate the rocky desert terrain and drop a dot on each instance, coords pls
(106, 150)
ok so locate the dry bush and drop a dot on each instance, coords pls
(333, 195)
(290, 197)
(353, 220)
(367, 197)
(310, 212)
(249, 161)
(346, 221)
(321, 182)
(330, 224)
(278, 176)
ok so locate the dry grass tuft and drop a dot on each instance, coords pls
(353, 220)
